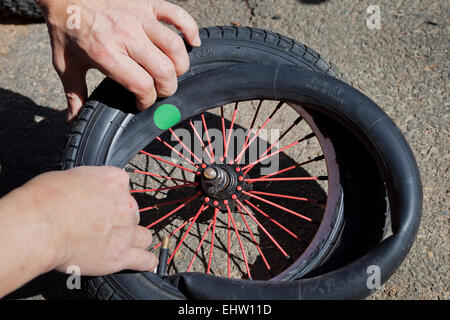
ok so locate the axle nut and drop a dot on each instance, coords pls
(210, 173)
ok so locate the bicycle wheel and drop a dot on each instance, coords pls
(103, 119)
(222, 181)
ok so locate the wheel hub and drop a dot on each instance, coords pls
(222, 185)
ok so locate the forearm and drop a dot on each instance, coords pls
(26, 244)
(84, 216)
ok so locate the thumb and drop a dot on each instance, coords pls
(75, 88)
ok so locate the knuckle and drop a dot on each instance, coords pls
(183, 68)
(176, 43)
(150, 236)
(98, 52)
(123, 25)
(145, 236)
(166, 80)
(132, 204)
(144, 86)
(132, 210)
(166, 70)
(146, 232)
(114, 174)
(119, 250)
(167, 91)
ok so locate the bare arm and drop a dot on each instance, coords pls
(84, 216)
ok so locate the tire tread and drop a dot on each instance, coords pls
(274, 40)
(24, 8)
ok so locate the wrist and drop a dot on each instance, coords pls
(45, 204)
(27, 246)
(24, 211)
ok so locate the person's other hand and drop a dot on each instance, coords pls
(91, 220)
(125, 40)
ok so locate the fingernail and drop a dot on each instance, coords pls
(70, 116)
(197, 42)
(155, 265)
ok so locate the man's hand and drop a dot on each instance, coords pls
(95, 219)
(125, 40)
(84, 216)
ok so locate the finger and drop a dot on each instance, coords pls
(74, 83)
(140, 260)
(170, 43)
(156, 63)
(131, 76)
(137, 218)
(177, 16)
(142, 238)
(134, 210)
(115, 178)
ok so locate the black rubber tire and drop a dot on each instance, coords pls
(229, 45)
(23, 8)
(348, 108)
(223, 45)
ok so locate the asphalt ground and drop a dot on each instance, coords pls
(404, 67)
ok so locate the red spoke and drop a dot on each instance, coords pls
(212, 240)
(173, 232)
(253, 121)
(249, 166)
(299, 119)
(277, 206)
(254, 240)
(223, 133)
(166, 188)
(284, 179)
(186, 233)
(163, 204)
(290, 168)
(239, 240)
(231, 129)
(229, 238)
(184, 146)
(176, 151)
(199, 138)
(157, 175)
(166, 161)
(262, 228)
(199, 246)
(271, 219)
(176, 230)
(256, 114)
(173, 211)
(246, 146)
(207, 137)
(284, 196)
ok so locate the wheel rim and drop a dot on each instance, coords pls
(228, 228)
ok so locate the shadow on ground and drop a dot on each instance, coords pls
(31, 139)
